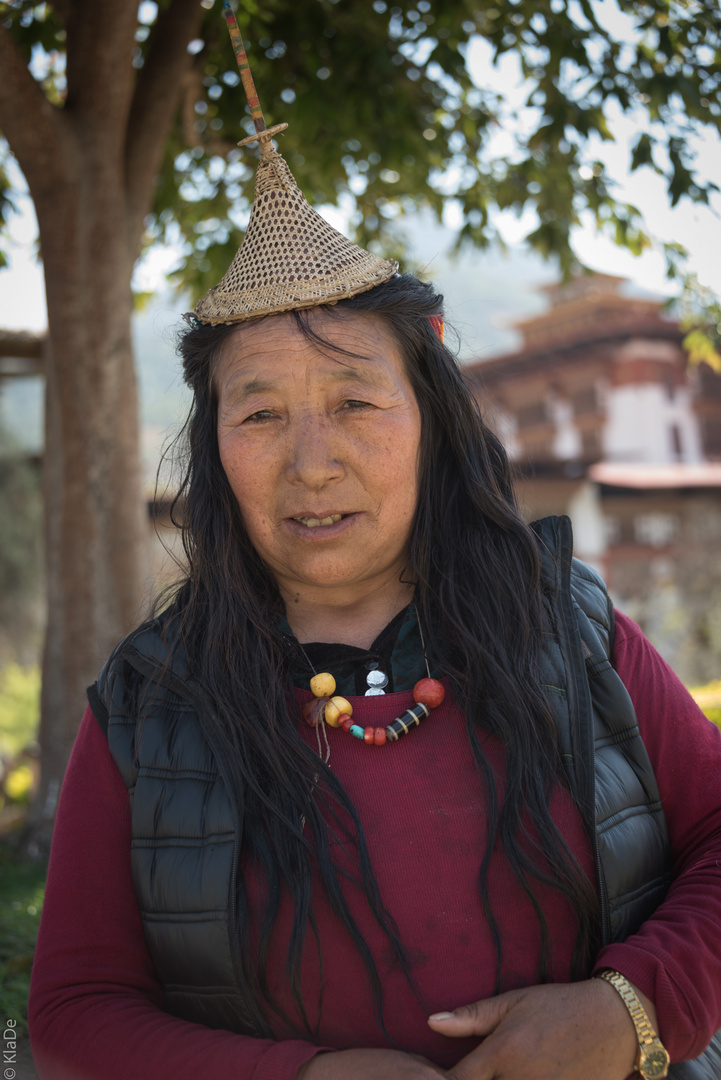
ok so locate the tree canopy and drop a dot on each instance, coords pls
(381, 105)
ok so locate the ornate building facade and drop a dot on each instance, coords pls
(606, 421)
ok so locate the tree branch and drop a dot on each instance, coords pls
(157, 94)
(31, 125)
(64, 9)
(101, 78)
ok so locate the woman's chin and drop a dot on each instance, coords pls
(350, 569)
(355, 551)
(333, 574)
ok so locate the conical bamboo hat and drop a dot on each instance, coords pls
(290, 257)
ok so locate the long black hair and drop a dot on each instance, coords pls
(476, 567)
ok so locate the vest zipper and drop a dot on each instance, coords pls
(580, 706)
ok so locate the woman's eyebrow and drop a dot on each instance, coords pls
(239, 390)
(366, 376)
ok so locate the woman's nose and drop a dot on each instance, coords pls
(314, 454)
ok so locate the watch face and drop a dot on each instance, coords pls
(654, 1063)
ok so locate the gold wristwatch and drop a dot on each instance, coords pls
(652, 1060)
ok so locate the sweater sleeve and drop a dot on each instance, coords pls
(675, 958)
(95, 1002)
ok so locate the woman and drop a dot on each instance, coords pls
(373, 762)
(281, 900)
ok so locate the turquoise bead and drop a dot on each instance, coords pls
(357, 731)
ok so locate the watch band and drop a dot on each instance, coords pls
(652, 1061)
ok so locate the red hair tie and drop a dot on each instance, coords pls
(438, 324)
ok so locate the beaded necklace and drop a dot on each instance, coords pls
(337, 712)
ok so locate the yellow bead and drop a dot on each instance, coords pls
(322, 685)
(337, 707)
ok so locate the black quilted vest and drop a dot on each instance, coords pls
(187, 817)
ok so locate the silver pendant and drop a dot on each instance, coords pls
(374, 691)
(377, 678)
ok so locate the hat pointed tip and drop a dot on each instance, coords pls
(290, 258)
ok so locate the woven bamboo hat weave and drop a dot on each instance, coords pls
(290, 257)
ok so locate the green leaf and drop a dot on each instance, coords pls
(642, 153)
(701, 350)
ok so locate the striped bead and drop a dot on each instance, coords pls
(403, 724)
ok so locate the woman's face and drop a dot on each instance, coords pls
(321, 449)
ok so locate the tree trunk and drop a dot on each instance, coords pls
(91, 166)
(94, 513)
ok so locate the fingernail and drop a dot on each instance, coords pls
(442, 1016)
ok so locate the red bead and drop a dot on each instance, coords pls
(368, 735)
(429, 692)
(313, 711)
(346, 722)
(379, 736)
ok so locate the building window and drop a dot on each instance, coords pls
(532, 415)
(656, 530)
(670, 385)
(676, 445)
(710, 382)
(585, 401)
(612, 529)
(712, 437)
(538, 450)
(590, 445)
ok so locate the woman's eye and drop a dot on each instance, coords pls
(258, 417)
(352, 404)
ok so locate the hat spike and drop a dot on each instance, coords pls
(291, 258)
(263, 134)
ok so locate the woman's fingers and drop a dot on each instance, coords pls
(479, 1018)
(554, 1032)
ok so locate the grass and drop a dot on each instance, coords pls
(19, 720)
(708, 697)
(19, 708)
(22, 884)
(22, 888)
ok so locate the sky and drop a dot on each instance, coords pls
(485, 292)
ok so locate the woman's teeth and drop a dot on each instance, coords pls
(313, 523)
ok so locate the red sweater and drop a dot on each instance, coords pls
(95, 1000)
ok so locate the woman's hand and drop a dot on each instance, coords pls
(561, 1031)
(368, 1065)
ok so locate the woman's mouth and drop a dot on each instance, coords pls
(314, 523)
